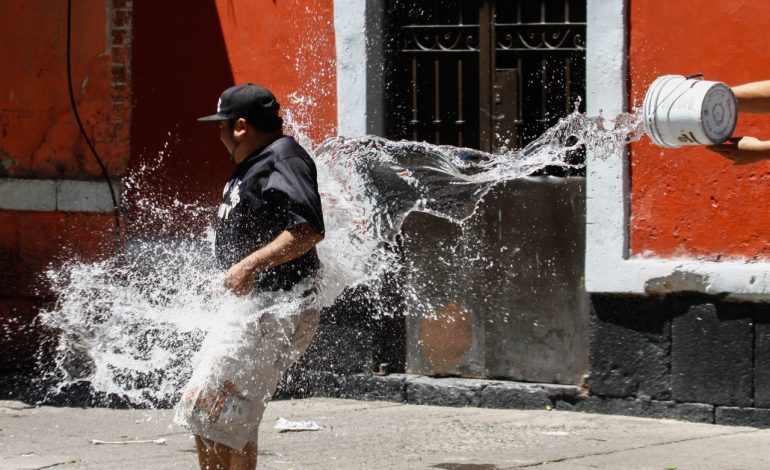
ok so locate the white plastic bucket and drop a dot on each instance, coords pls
(681, 111)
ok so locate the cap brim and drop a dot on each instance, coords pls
(214, 117)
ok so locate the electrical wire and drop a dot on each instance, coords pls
(73, 104)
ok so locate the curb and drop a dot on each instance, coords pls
(458, 392)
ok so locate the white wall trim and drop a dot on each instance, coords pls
(56, 195)
(350, 34)
(608, 267)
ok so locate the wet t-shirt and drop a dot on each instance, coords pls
(272, 190)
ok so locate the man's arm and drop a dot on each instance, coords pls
(288, 245)
(753, 97)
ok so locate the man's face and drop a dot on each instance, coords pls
(226, 136)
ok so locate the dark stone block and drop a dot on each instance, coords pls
(295, 383)
(517, 324)
(734, 416)
(361, 330)
(358, 386)
(339, 349)
(568, 393)
(536, 319)
(443, 392)
(696, 412)
(762, 356)
(326, 384)
(372, 387)
(563, 405)
(711, 353)
(514, 396)
(630, 346)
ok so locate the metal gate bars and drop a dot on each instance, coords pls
(487, 74)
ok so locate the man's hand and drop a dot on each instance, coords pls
(288, 245)
(743, 150)
(239, 280)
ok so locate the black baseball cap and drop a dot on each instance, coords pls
(252, 102)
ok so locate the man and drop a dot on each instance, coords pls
(752, 98)
(268, 225)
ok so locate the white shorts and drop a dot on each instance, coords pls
(241, 362)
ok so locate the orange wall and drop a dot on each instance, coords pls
(289, 47)
(691, 202)
(40, 137)
(143, 72)
(181, 66)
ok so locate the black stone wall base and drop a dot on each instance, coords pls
(734, 416)
(712, 349)
(515, 396)
(350, 341)
(420, 390)
(680, 348)
(762, 358)
(630, 347)
(340, 350)
(695, 412)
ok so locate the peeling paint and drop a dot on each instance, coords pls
(83, 86)
(679, 281)
(7, 163)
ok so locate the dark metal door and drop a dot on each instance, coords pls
(487, 74)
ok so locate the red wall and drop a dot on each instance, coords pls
(289, 47)
(691, 202)
(39, 139)
(185, 54)
(139, 92)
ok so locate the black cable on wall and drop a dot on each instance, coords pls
(73, 104)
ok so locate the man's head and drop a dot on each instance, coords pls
(248, 117)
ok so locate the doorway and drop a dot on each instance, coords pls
(486, 74)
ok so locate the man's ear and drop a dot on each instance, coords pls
(240, 126)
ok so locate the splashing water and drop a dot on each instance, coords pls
(132, 325)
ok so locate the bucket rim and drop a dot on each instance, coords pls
(649, 113)
(734, 101)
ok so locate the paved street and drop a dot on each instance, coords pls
(363, 435)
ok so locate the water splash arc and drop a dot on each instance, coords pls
(132, 325)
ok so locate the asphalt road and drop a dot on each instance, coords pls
(380, 435)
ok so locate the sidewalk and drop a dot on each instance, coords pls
(374, 435)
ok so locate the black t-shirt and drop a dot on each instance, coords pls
(273, 189)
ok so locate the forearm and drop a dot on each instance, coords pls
(743, 151)
(760, 149)
(753, 97)
(763, 146)
(288, 245)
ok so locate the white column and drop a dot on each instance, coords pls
(350, 34)
(606, 179)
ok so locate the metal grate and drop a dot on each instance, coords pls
(483, 73)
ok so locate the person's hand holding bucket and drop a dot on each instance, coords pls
(752, 98)
(743, 150)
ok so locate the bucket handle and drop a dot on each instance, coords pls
(688, 77)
